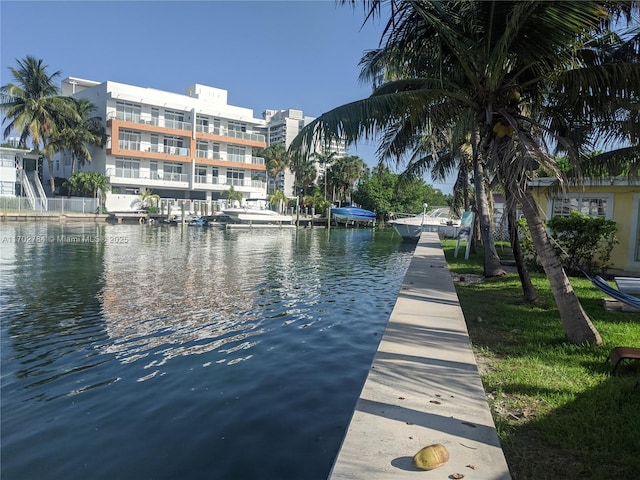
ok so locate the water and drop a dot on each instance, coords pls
(140, 352)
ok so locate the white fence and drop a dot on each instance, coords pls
(56, 204)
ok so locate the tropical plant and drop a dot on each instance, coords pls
(77, 133)
(232, 195)
(92, 184)
(305, 173)
(344, 173)
(33, 108)
(150, 200)
(325, 158)
(477, 67)
(583, 241)
(277, 199)
(277, 160)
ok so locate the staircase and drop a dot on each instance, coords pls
(32, 188)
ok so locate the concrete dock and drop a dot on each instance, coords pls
(423, 388)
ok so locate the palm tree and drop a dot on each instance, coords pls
(277, 160)
(324, 158)
(149, 199)
(32, 107)
(79, 132)
(479, 63)
(278, 199)
(305, 173)
(344, 173)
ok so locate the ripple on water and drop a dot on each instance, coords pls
(188, 348)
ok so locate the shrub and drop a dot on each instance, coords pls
(578, 240)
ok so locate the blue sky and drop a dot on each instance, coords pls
(267, 54)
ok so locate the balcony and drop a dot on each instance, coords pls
(209, 155)
(225, 132)
(175, 177)
(156, 122)
(170, 150)
(129, 176)
(134, 146)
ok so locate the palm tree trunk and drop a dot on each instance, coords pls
(492, 265)
(529, 292)
(52, 180)
(575, 321)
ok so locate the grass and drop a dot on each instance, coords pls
(558, 411)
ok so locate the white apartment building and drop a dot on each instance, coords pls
(282, 127)
(183, 146)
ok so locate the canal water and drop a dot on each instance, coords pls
(158, 352)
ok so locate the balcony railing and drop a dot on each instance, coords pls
(209, 155)
(135, 175)
(168, 123)
(182, 151)
(126, 173)
(129, 145)
(225, 132)
(257, 160)
(175, 177)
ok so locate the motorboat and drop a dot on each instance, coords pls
(353, 215)
(437, 219)
(255, 211)
(255, 215)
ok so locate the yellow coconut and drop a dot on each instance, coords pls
(431, 456)
(501, 130)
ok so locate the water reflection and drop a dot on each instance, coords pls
(49, 290)
(180, 341)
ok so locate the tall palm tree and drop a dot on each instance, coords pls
(32, 106)
(325, 158)
(277, 160)
(305, 173)
(479, 62)
(344, 173)
(78, 133)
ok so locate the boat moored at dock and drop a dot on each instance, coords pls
(436, 220)
(353, 215)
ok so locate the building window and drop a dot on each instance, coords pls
(202, 149)
(237, 126)
(214, 176)
(129, 140)
(174, 119)
(128, 111)
(153, 170)
(235, 153)
(173, 172)
(590, 205)
(201, 174)
(127, 168)
(173, 145)
(202, 124)
(235, 177)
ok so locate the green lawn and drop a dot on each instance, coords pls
(558, 411)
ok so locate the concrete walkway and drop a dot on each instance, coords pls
(423, 388)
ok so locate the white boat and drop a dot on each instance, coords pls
(436, 220)
(254, 211)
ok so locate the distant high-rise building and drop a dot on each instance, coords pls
(282, 127)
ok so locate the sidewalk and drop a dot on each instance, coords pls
(423, 388)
